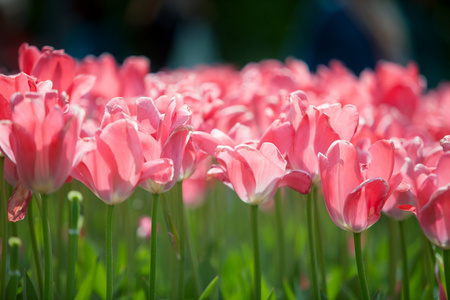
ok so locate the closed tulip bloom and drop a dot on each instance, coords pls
(42, 139)
(356, 191)
(256, 174)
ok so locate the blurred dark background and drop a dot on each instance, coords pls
(175, 33)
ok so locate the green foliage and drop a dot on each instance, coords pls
(219, 232)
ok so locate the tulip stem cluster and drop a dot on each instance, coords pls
(404, 260)
(14, 272)
(318, 240)
(109, 253)
(4, 218)
(182, 236)
(312, 245)
(256, 260)
(280, 235)
(152, 292)
(48, 279)
(74, 214)
(446, 255)
(34, 247)
(392, 257)
(360, 265)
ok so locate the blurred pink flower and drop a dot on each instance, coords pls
(144, 230)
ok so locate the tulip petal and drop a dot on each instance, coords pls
(343, 120)
(18, 203)
(297, 180)
(363, 206)
(147, 115)
(159, 171)
(433, 218)
(382, 162)
(5, 140)
(239, 173)
(442, 170)
(279, 134)
(343, 173)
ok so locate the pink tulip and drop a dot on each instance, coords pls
(42, 139)
(10, 85)
(48, 64)
(163, 136)
(254, 174)
(315, 129)
(354, 190)
(117, 166)
(432, 204)
(408, 153)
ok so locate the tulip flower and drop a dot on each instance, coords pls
(432, 206)
(117, 165)
(355, 188)
(255, 175)
(42, 139)
(355, 192)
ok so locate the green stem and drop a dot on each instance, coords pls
(280, 236)
(14, 242)
(318, 239)
(360, 265)
(129, 228)
(48, 280)
(153, 248)
(446, 255)
(181, 230)
(392, 258)
(34, 247)
(193, 258)
(59, 236)
(312, 246)
(74, 214)
(109, 253)
(4, 218)
(256, 261)
(404, 260)
(429, 259)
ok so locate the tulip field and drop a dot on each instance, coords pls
(268, 182)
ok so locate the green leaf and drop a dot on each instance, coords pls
(29, 292)
(376, 296)
(272, 295)
(287, 290)
(207, 292)
(146, 286)
(85, 290)
(119, 279)
(335, 283)
(100, 281)
(9, 286)
(173, 233)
